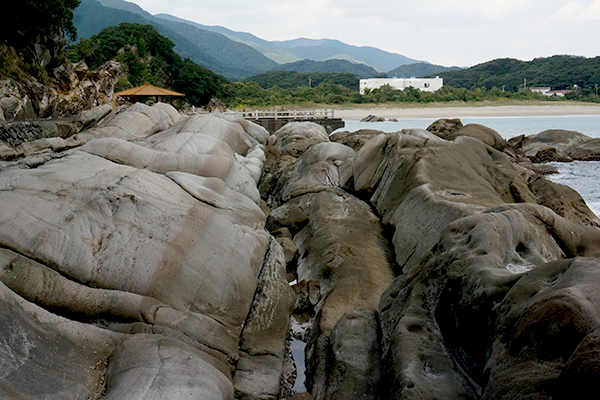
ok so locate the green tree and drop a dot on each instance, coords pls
(149, 57)
(199, 84)
(27, 19)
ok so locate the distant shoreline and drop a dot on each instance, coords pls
(554, 109)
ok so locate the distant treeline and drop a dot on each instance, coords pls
(252, 95)
(149, 57)
(556, 72)
(292, 80)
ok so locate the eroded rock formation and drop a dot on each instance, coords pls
(146, 255)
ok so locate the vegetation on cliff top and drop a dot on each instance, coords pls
(212, 50)
(28, 19)
(149, 57)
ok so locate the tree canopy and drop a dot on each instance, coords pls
(291, 79)
(149, 57)
(25, 20)
(556, 72)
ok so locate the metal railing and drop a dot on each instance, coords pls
(286, 114)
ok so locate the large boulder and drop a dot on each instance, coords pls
(232, 133)
(444, 127)
(68, 359)
(468, 224)
(481, 132)
(136, 122)
(588, 151)
(133, 230)
(427, 184)
(341, 252)
(546, 344)
(332, 253)
(295, 137)
(224, 167)
(558, 145)
(560, 139)
(151, 268)
(263, 341)
(355, 140)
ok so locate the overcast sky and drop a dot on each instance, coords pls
(446, 32)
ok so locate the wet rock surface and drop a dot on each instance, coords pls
(558, 145)
(146, 255)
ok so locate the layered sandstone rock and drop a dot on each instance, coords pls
(468, 226)
(148, 256)
(558, 145)
(341, 246)
(152, 255)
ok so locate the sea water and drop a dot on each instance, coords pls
(582, 176)
(507, 127)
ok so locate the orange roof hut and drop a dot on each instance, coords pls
(149, 90)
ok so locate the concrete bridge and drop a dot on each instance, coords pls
(272, 120)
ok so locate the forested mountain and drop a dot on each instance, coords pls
(325, 49)
(212, 50)
(418, 70)
(291, 79)
(309, 49)
(271, 50)
(557, 72)
(149, 57)
(339, 66)
(91, 17)
(230, 53)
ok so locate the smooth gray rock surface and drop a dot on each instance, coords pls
(154, 254)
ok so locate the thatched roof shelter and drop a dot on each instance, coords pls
(149, 90)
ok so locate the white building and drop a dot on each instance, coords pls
(542, 90)
(547, 92)
(425, 84)
(558, 93)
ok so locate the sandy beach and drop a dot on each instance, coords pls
(467, 111)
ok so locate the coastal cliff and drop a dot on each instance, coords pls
(145, 254)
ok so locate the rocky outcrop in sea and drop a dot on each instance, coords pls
(148, 255)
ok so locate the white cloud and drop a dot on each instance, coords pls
(593, 11)
(448, 32)
(488, 10)
(570, 12)
(574, 11)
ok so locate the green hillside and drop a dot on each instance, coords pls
(212, 50)
(326, 49)
(339, 66)
(556, 72)
(271, 50)
(149, 57)
(102, 18)
(418, 70)
(317, 50)
(291, 79)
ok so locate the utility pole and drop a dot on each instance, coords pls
(596, 90)
(524, 83)
(309, 82)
